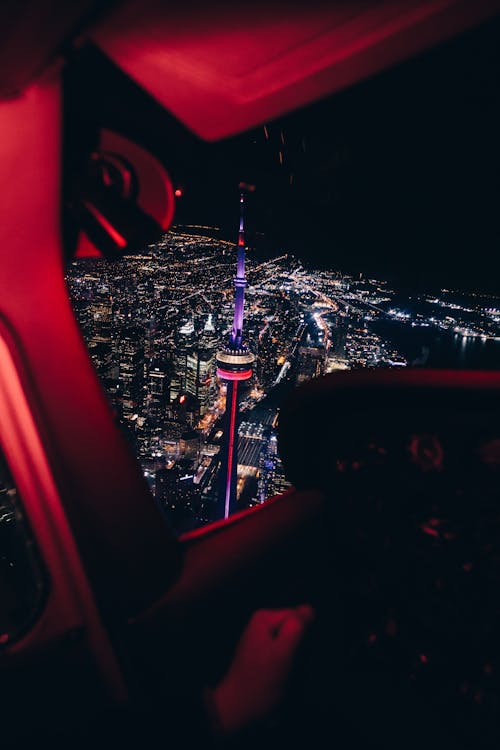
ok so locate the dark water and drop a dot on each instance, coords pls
(430, 348)
(421, 346)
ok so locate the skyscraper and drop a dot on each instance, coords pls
(184, 340)
(234, 364)
(131, 369)
(200, 368)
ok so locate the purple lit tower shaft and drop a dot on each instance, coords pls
(236, 338)
(234, 363)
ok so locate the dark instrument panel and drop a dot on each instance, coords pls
(412, 474)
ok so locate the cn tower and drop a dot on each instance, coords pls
(234, 364)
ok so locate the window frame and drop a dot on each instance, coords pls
(69, 603)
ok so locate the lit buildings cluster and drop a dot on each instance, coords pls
(472, 318)
(155, 323)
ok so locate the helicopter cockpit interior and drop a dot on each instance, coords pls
(390, 528)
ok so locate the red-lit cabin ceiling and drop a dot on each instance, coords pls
(224, 69)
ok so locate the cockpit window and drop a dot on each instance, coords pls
(22, 583)
(370, 227)
(155, 325)
(155, 330)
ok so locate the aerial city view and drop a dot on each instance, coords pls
(196, 345)
(369, 239)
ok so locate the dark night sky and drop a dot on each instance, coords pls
(397, 176)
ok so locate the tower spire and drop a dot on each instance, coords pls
(240, 282)
(234, 363)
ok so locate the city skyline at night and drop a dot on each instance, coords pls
(154, 324)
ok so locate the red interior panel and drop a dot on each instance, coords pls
(225, 68)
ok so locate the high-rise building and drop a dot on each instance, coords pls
(200, 367)
(158, 380)
(101, 314)
(234, 365)
(158, 389)
(102, 358)
(184, 341)
(131, 369)
(82, 311)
